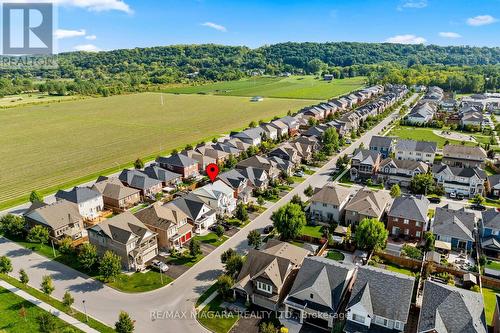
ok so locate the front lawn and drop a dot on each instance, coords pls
(215, 318)
(297, 179)
(489, 202)
(206, 294)
(42, 249)
(315, 231)
(212, 239)
(140, 282)
(11, 320)
(335, 255)
(493, 265)
(184, 259)
(489, 303)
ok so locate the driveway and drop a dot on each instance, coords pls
(170, 308)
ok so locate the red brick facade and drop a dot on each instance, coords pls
(407, 228)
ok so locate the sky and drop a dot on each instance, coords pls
(94, 25)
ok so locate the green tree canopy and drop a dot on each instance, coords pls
(371, 235)
(289, 220)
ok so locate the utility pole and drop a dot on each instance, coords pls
(85, 310)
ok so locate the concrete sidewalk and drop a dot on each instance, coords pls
(49, 308)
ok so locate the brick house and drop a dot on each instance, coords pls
(408, 216)
(181, 164)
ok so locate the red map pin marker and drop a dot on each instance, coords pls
(212, 171)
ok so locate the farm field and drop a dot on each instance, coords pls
(33, 98)
(307, 87)
(58, 145)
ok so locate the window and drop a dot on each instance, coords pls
(358, 318)
(407, 231)
(406, 221)
(417, 234)
(381, 321)
(264, 287)
(324, 205)
(398, 325)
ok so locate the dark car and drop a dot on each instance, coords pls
(460, 196)
(268, 229)
(434, 200)
(478, 207)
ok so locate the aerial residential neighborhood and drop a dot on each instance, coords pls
(180, 167)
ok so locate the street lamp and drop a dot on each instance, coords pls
(85, 310)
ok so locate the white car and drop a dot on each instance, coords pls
(161, 266)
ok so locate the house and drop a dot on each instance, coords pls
(140, 181)
(327, 203)
(455, 227)
(366, 204)
(490, 232)
(472, 118)
(199, 214)
(408, 216)
(227, 148)
(239, 183)
(90, 202)
(115, 195)
(219, 196)
(392, 171)
(201, 159)
(292, 124)
(267, 274)
(465, 181)
(209, 152)
(181, 164)
(447, 308)
(252, 136)
(257, 178)
(281, 127)
(259, 162)
(416, 150)
(448, 104)
(493, 185)
(318, 291)
(284, 166)
(421, 114)
(380, 301)
(61, 218)
(168, 222)
(364, 164)
(168, 178)
(382, 144)
(434, 95)
(464, 156)
(286, 152)
(270, 132)
(237, 143)
(128, 237)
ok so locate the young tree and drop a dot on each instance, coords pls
(254, 238)
(289, 221)
(46, 322)
(234, 264)
(35, 197)
(252, 124)
(297, 200)
(348, 234)
(260, 200)
(267, 327)
(478, 199)
(47, 285)
(330, 137)
(241, 212)
(224, 257)
(224, 285)
(422, 184)
(219, 231)
(125, 324)
(309, 191)
(5, 265)
(23, 277)
(66, 245)
(38, 234)
(138, 164)
(87, 256)
(371, 235)
(68, 300)
(12, 225)
(110, 266)
(395, 191)
(231, 161)
(194, 247)
(429, 241)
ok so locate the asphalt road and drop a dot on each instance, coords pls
(172, 305)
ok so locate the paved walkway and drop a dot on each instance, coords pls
(49, 308)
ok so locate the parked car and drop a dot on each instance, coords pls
(161, 266)
(299, 173)
(460, 196)
(434, 200)
(268, 229)
(453, 195)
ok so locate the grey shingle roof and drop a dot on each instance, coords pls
(420, 146)
(455, 223)
(491, 219)
(55, 215)
(177, 160)
(333, 195)
(494, 181)
(410, 207)
(451, 309)
(459, 172)
(138, 179)
(161, 174)
(78, 194)
(365, 156)
(381, 141)
(122, 228)
(371, 288)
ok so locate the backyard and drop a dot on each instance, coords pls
(489, 303)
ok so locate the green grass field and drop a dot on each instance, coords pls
(58, 145)
(422, 134)
(307, 87)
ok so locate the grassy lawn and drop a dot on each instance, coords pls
(186, 260)
(212, 239)
(431, 212)
(137, 208)
(308, 172)
(489, 303)
(33, 98)
(315, 231)
(206, 294)
(42, 249)
(97, 325)
(493, 265)
(298, 179)
(213, 317)
(398, 269)
(140, 282)
(297, 243)
(490, 202)
(335, 255)
(422, 134)
(11, 306)
(104, 135)
(489, 171)
(291, 87)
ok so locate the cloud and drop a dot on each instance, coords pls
(406, 39)
(97, 5)
(449, 35)
(63, 33)
(215, 26)
(413, 4)
(86, 48)
(481, 20)
(91, 37)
